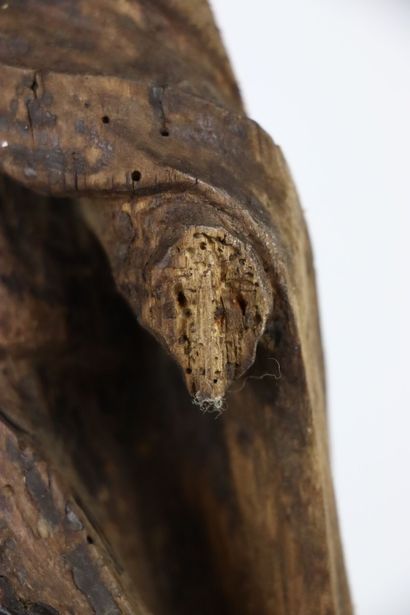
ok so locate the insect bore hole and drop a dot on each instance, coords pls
(242, 304)
(136, 176)
(164, 132)
(182, 300)
(34, 87)
(105, 119)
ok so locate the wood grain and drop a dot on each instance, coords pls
(124, 152)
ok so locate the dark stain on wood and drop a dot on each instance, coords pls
(87, 580)
(11, 605)
(140, 142)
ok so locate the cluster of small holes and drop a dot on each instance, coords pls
(236, 298)
(135, 175)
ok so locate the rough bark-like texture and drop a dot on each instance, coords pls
(108, 324)
(46, 551)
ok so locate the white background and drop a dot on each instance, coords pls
(330, 81)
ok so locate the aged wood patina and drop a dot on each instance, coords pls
(154, 258)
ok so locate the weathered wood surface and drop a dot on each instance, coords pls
(164, 42)
(46, 550)
(135, 123)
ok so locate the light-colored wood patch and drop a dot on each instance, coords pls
(208, 301)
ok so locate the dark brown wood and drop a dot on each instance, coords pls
(46, 549)
(173, 265)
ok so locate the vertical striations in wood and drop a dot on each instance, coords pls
(167, 258)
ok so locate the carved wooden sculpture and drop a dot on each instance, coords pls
(153, 254)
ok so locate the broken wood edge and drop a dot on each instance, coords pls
(197, 283)
(208, 299)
